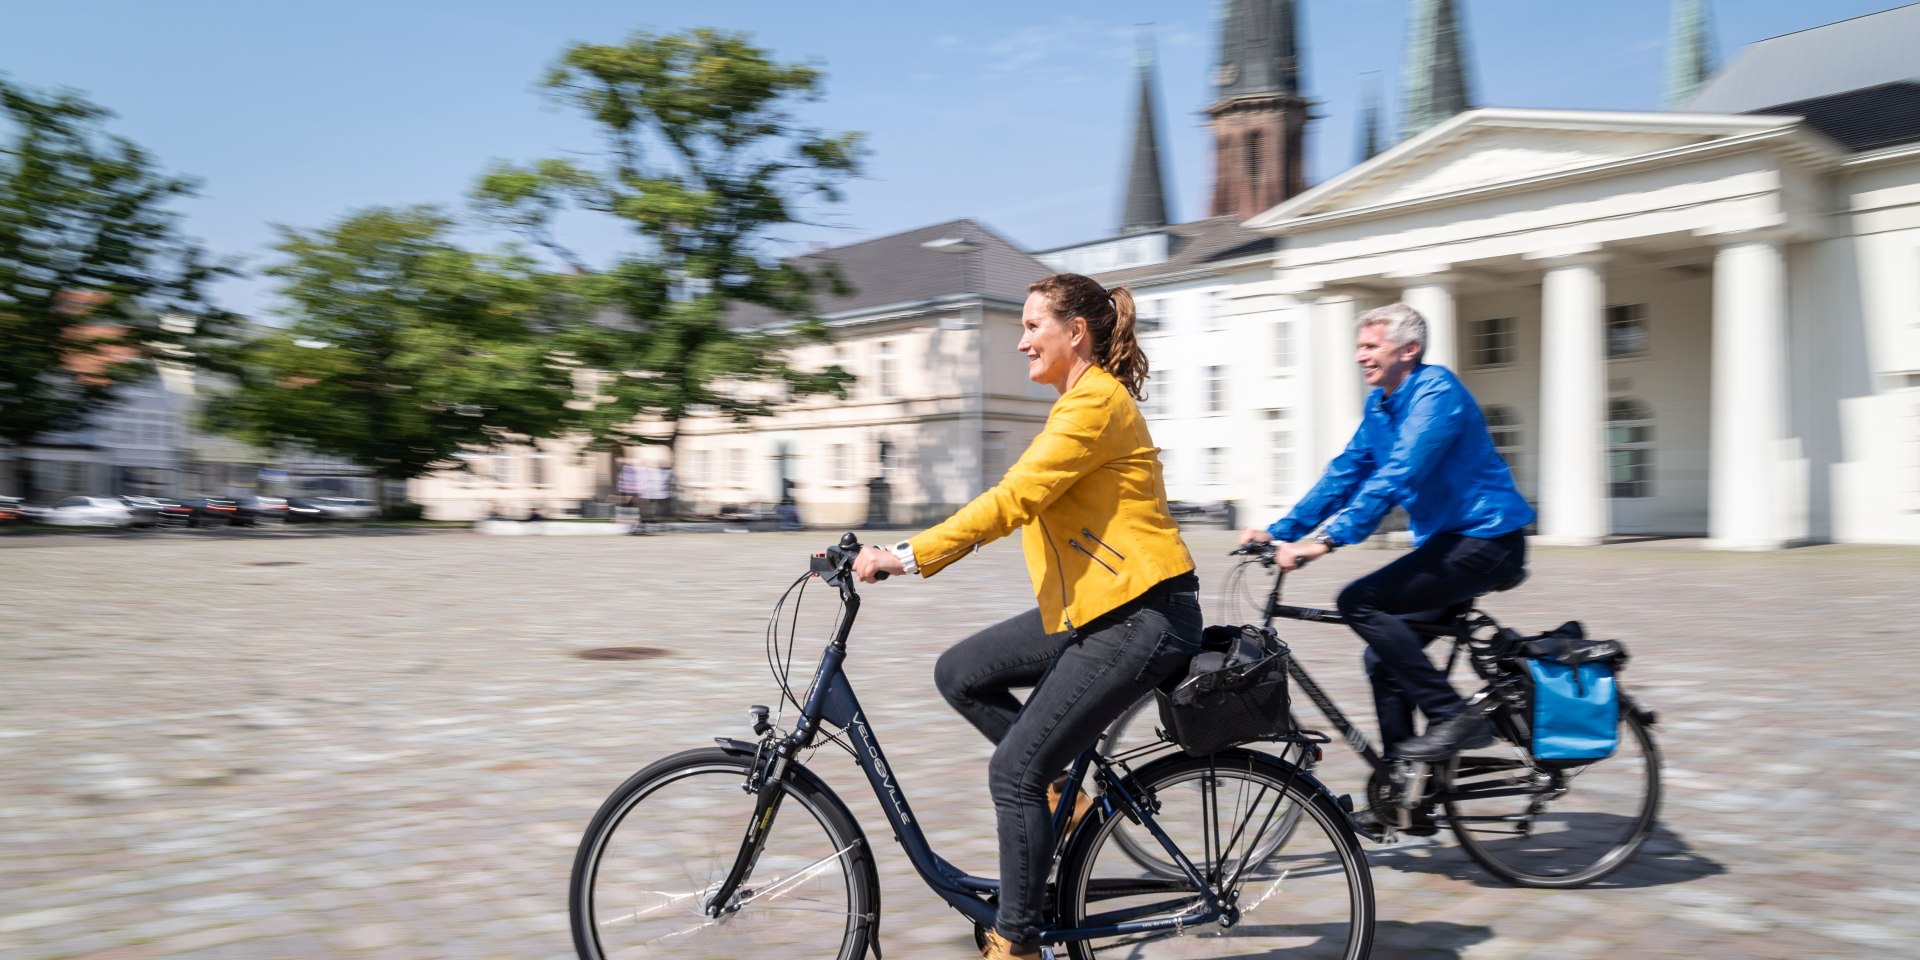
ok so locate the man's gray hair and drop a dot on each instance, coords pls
(1404, 324)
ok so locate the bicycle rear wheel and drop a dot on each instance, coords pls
(1537, 826)
(661, 845)
(1309, 898)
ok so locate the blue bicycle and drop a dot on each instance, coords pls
(740, 851)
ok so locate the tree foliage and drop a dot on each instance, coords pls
(403, 349)
(703, 161)
(91, 260)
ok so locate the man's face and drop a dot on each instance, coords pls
(1383, 363)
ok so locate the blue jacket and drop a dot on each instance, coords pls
(1425, 448)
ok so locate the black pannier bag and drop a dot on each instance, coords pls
(1234, 691)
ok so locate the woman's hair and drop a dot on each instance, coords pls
(1110, 318)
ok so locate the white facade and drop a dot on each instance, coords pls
(1682, 323)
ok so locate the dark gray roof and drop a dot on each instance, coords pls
(1196, 246)
(1866, 119)
(1146, 203)
(1869, 51)
(1259, 50)
(899, 269)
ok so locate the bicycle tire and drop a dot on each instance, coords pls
(1596, 816)
(1242, 793)
(1123, 736)
(672, 832)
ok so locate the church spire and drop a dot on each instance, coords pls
(1146, 201)
(1436, 78)
(1259, 117)
(1372, 140)
(1689, 51)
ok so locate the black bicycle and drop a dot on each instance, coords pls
(1531, 822)
(741, 850)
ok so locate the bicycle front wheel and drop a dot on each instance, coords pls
(1537, 826)
(660, 847)
(1310, 897)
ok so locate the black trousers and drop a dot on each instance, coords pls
(1090, 678)
(1444, 570)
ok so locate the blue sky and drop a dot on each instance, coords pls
(1017, 114)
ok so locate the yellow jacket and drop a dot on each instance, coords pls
(1091, 500)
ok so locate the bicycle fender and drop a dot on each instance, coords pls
(799, 771)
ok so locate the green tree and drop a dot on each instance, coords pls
(704, 162)
(91, 260)
(403, 349)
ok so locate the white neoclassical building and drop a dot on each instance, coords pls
(1700, 322)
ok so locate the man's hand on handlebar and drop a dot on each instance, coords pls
(1293, 556)
(1255, 535)
(876, 563)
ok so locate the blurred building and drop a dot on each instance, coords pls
(942, 405)
(557, 477)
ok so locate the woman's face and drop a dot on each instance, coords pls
(1052, 346)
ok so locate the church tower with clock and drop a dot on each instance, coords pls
(1258, 116)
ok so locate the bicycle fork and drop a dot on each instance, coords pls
(765, 780)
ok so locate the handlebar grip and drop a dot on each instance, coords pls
(881, 574)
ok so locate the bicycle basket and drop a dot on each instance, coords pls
(1234, 691)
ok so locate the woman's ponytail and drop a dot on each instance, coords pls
(1124, 358)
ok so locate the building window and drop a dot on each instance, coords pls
(1280, 455)
(537, 468)
(1217, 310)
(1159, 395)
(737, 467)
(1216, 464)
(699, 467)
(1255, 168)
(1503, 425)
(1629, 449)
(502, 467)
(1907, 436)
(1283, 358)
(843, 462)
(1150, 318)
(1492, 342)
(1626, 331)
(887, 378)
(1216, 389)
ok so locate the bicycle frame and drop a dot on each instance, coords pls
(1455, 629)
(831, 699)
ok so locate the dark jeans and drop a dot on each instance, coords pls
(1444, 570)
(1091, 677)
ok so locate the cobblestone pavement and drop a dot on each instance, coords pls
(295, 744)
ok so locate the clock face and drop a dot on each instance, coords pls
(1225, 74)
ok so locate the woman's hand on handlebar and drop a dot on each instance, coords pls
(876, 563)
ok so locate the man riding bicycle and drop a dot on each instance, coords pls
(1422, 445)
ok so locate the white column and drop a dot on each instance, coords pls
(1749, 394)
(1432, 295)
(1337, 388)
(1573, 401)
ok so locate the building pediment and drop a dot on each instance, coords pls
(1488, 148)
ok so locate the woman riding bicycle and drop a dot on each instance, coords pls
(1119, 606)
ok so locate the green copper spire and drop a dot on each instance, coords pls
(1372, 140)
(1436, 77)
(1689, 52)
(1146, 200)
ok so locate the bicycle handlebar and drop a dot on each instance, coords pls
(838, 559)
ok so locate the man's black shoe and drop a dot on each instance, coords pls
(1466, 730)
(1368, 824)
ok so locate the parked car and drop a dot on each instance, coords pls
(146, 510)
(1199, 512)
(301, 509)
(84, 512)
(258, 510)
(346, 508)
(203, 512)
(10, 509)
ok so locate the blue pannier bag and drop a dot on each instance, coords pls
(1575, 716)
